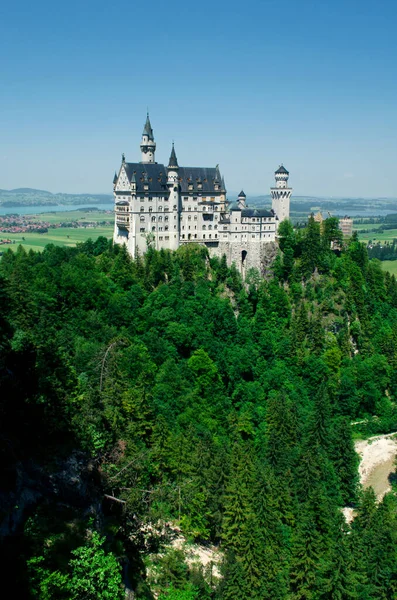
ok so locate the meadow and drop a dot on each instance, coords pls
(390, 265)
(62, 236)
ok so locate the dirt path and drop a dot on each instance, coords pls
(378, 455)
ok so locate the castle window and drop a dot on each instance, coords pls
(166, 228)
(160, 208)
(150, 198)
(142, 199)
(204, 228)
(190, 208)
(195, 236)
(216, 235)
(166, 218)
(209, 226)
(160, 218)
(142, 230)
(142, 217)
(150, 208)
(167, 237)
(154, 228)
(215, 226)
(153, 219)
(142, 208)
(204, 208)
(161, 238)
(183, 236)
(204, 236)
(189, 218)
(194, 197)
(186, 198)
(165, 208)
(160, 229)
(174, 207)
(195, 217)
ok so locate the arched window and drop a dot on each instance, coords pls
(160, 208)
(160, 218)
(153, 219)
(142, 218)
(204, 227)
(142, 208)
(209, 226)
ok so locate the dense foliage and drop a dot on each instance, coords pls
(193, 398)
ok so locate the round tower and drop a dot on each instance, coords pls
(173, 168)
(241, 199)
(281, 194)
(148, 145)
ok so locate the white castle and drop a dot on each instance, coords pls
(168, 206)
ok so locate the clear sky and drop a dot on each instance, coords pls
(248, 85)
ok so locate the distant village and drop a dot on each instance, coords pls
(14, 223)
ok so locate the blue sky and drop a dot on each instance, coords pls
(248, 85)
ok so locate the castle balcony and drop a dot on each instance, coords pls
(123, 221)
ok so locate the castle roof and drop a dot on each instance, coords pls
(242, 195)
(281, 171)
(234, 206)
(256, 212)
(154, 175)
(147, 130)
(173, 162)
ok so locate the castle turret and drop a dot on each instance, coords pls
(241, 199)
(281, 194)
(172, 168)
(148, 145)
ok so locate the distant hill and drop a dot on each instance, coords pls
(32, 197)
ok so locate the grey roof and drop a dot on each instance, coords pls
(115, 177)
(173, 162)
(242, 195)
(193, 175)
(155, 176)
(255, 212)
(234, 206)
(147, 130)
(282, 171)
(151, 174)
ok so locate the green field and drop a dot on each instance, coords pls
(390, 265)
(388, 235)
(63, 236)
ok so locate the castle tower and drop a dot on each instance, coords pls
(241, 199)
(281, 194)
(148, 145)
(174, 197)
(172, 168)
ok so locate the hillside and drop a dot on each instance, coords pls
(31, 197)
(165, 399)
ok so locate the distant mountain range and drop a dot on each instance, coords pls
(300, 205)
(32, 197)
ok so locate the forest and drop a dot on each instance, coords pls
(165, 393)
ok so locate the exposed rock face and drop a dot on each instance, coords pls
(72, 481)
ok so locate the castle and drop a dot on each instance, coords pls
(168, 206)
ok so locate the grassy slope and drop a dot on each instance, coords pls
(390, 265)
(59, 237)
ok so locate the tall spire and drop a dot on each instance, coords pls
(173, 162)
(148, 145)
(147, 130)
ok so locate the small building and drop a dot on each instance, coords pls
(346, 226)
